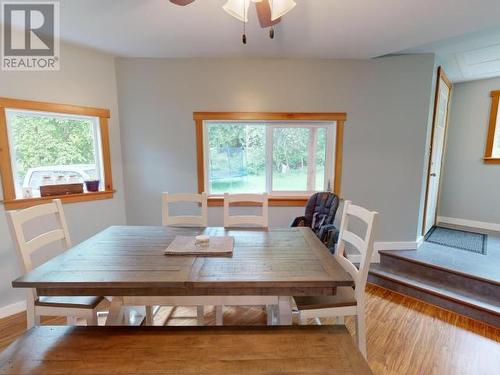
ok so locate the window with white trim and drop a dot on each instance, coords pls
(280, 158)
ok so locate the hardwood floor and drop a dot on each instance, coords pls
(405, 336)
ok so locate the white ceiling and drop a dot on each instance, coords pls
(315, 28)
(469, 57)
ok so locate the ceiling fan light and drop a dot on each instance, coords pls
(238, 9)
(280, 7)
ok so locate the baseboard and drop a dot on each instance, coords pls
(420, 241)
(402, 245)
(377, 246)
(13, 308)
(469, 223)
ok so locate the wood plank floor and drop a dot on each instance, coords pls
(405, 336)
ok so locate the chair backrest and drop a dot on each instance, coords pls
(26, 248)
(363, 245)
(185, 220)
(236, 220)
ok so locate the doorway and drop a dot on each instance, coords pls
(438, 139)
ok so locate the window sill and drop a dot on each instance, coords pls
(297, 201)
(16, 204)
(491, 160)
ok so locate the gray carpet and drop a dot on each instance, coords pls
(459, 239)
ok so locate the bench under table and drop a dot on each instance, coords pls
(67, 350)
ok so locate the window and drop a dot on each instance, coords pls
(492, 153)
(289, 156)
(45, 144)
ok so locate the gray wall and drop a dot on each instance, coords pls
(387, 102)
(470, 187)
(86, 78)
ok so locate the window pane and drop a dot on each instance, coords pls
(237, 158)
(496, 143)
(51, 150)
(290, 147)
(320, 159)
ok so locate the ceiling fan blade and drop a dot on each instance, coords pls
(181, 2)
(264, 13)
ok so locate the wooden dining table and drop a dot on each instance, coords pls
(129, 262)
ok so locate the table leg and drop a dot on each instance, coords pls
(124, 315)
(285, 310)
(115, 315)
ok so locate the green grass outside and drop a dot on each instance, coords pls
(292, 181)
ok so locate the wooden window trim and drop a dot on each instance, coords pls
(280, 201)
(9, 195)
(490, 140)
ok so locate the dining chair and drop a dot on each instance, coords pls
(231, 221)
(180, 221)
(185, 220)
(347, 301)
(70, 307)
(237, 220)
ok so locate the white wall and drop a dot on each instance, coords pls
(86, 78)
(387, 101)
(470, 187)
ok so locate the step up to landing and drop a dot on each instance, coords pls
(474, 297)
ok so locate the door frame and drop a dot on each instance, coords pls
(441, 76)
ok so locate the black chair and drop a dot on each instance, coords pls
(320, 216)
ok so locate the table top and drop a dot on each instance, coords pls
(130, 261)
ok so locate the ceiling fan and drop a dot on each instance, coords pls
(269, 12)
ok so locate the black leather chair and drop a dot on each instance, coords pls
(319, 216)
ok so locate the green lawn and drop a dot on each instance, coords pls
(291, 181)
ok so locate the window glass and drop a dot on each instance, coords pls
(290, 158)
(496, 144)
(52, 149)
(237, 158)
(320, 159)
(270, 157)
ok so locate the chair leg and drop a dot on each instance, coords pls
(200, 315)
(275, 315)
(270, 314)
(31, 318)
(361, 330)
(219, 315)
(318, 321)
(149, 315)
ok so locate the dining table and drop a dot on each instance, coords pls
(129, 262)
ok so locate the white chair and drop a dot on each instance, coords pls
(231, 221)
(70, 307)
(185, 220)
(180, 221)
(237, 220)
(347, 301)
